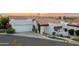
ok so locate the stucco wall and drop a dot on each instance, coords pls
(51, 29)
(47, 30)
(42, 28)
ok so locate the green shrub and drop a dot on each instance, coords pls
(1, 25)
(53, 37)
(61, 35)
(4, 20)
(2, 30)
(67, 36)
(54, 33)
(10, 30)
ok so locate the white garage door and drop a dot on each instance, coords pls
(22, 25)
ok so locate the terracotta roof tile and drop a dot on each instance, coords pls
(45, 21)
(40, 20)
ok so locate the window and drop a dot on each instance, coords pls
(65, 29)
(57, 28)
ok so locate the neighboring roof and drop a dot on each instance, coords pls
(45, 21)
(71, 14)
(74, 23)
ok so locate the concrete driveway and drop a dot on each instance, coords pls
(30, 34)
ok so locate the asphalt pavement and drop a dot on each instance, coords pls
(11, 40)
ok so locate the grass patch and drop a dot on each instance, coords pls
(54, 37)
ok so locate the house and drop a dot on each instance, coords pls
(50, 25)
(74, 26)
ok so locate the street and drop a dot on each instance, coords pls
(10, 40)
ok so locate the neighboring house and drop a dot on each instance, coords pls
(74, 25)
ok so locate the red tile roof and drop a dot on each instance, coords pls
(71, 14)
(45, 21)
(40, 20)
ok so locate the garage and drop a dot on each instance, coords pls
(21, 25)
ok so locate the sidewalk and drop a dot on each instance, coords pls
(72, 41)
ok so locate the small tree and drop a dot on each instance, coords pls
(71, 31)
(77, 32)
(4, 21)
